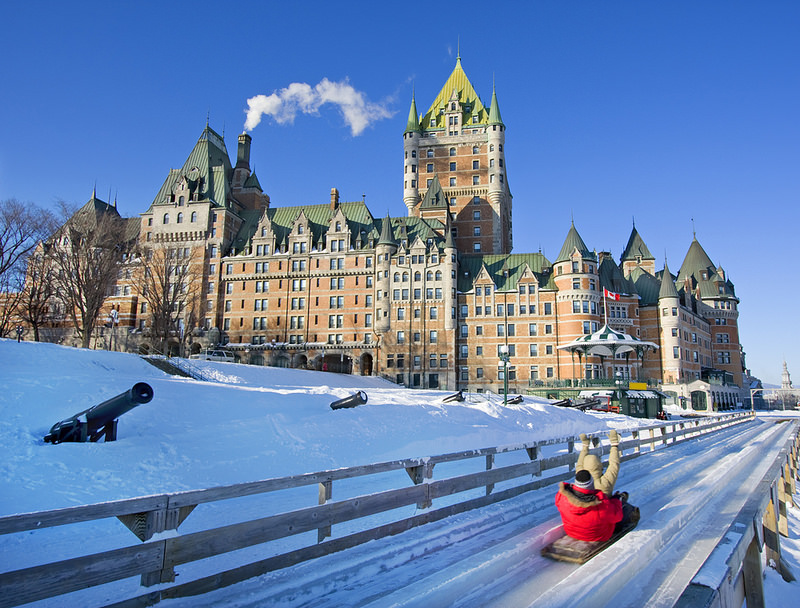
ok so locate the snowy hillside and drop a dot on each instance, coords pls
(253, 423)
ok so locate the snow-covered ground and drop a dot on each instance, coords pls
(251, 423)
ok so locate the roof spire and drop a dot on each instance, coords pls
(412, 126)
(494, 108)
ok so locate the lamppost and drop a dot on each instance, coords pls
(504, 358)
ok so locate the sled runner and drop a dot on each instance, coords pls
(567, 549)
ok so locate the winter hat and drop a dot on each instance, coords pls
(583, 480)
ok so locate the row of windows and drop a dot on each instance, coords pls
(433, 337)
(510, 329)
(429, 276)
(399, 361)
(179, 218)
(430, 294)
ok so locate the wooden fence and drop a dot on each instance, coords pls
(734, 571)
(154, 560)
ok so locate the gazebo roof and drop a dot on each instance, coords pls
(607, 342)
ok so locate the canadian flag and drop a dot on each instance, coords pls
(610, 294)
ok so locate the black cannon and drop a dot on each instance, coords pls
(353, 400)
(100, 420)
(455, 397)
(515, 400)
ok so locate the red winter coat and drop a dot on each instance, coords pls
(587, 514)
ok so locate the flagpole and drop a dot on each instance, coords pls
(605, 307)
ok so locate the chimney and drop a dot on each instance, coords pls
(243, 153)
(334, 199)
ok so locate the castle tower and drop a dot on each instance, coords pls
(636, 254)
(786, 379)
(411, 138)
(385, 248)
(460, 141)
(669, 324)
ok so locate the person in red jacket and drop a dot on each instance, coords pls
(587, 514)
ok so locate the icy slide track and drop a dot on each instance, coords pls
(687, 493)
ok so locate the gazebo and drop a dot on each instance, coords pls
(607, 342)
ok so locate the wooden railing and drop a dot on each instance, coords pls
(155, 559)
(734, 572)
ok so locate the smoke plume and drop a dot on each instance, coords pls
(283, 105)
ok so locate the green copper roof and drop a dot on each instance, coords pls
(647, 286)
(467, 96)
(413, 118)
(434, 197)
(387, 236)
(636, 248)
(611, 277)
(252, 182)
(695, 263)
(667, 289)
(470, 266)
(572, 242)
(208, 167)
(494, 111)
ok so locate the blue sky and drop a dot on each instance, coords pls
(677, 115)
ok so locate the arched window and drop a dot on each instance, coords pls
(475, 149)
(452, 151)
(180, 200)
(429, 153)
(405, 277)
(491, 147)
(429, 276)
(166, 218)
(396, 277)
(418, 276)
(180, 218)
(438, 275)
(194, 216)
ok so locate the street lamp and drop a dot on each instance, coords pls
(504, 358)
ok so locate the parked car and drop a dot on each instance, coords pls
(215, 355)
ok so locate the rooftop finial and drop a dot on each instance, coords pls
(458, 48)
(694, 232)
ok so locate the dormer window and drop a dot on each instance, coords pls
(338, 226)
(300, 229)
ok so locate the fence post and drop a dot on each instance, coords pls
(753, 576)
(571, 450)
(772, 543)
(325, 494)
(489, 465)
(418, 475)
(638, 447)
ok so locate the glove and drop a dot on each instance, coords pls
(623, 496)
(613, 437)
(584, 439)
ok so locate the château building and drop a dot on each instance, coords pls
(428, 299)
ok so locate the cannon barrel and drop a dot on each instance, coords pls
(358, 398)
(100, 420)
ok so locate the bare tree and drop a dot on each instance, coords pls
(87, 252)
(37, 305)
(171, 288)
(22, 227)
